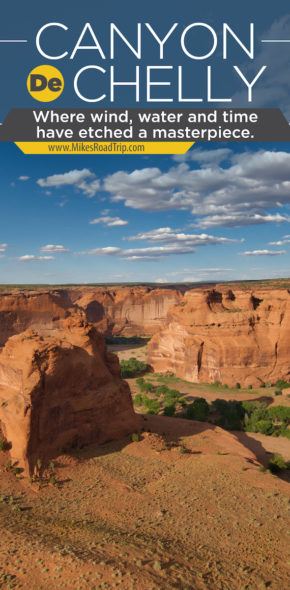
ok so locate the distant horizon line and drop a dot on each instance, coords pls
(142, 283)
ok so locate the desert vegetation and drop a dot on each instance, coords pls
(132, 367)
(249, 416)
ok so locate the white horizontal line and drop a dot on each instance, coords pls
(275, 41)
(13, 41)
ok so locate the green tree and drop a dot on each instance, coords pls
(198, 410)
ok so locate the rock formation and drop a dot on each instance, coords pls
(60, 389)
(228, 336)
(122, 311)
(20, 310)
(128, 311)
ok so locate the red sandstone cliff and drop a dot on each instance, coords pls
(123, 311)
(229, 336)
(128, 311)
(60, 389)
(20, 310)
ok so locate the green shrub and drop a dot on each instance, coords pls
(264, 427)
(169, 410)
(280, 413)
(255, 417)
(277, 464)
(147, 387)
(4, 445)
(198, 410)
(152, 405)
(281, 384)
(138, 400)
(250, 386)
(231, 414)
(132, 367)
(278, 392)
(161, 390)
(238, 386)
(250, 407)
(140, 381)
(285, 432)
(135, 437)
(171, 396)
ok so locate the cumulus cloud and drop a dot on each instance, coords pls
(264, 253)
(240, 219)
(58, 248)
(83, 180)
(251, 184)
(106, 251)
(168, 235)
(148, 253)
(171, 243)
(32, 257)
(285, 240)
(205, 157)
(3, 248)
(109, 221)
(23, 178)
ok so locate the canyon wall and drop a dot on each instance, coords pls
(61, 389)
(128, 311)
(20, 310)
(226, 335)
(120, 311)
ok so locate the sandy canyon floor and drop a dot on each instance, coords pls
(186, 507)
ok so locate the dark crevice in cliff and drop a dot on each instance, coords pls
(199, 357)
(256, 301)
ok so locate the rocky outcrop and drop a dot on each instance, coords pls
(122, 311)
(128, 311)
(60, 389)
(20, 310)
(226, 335)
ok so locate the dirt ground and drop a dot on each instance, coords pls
(125, 352)
(187, 507)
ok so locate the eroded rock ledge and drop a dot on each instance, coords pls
(226, 335)
(60, 389)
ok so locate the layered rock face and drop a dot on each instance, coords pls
(60, 389)
(128, 311)
(228, 336)
(20, 310)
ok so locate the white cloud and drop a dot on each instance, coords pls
(32, 257)
(106, 251)
(251, 184)
(24, 178)
(168, 235)
(84, 180)
(205, 157)
(172, 243)
(240, 219)
(3, 248)
(109, 221)
(54, 248)
(264, 253)
(139, 253)
(285, 240)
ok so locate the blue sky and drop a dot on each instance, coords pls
(222, 212)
